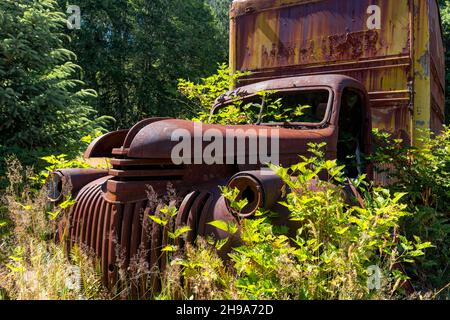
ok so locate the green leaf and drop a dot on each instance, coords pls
(179, 232)
(27, 207)
(398, 197)
(53, 215)
(15, 269)
(160, 221)
(341, 231)
(170, 248)
(170, 210)
(219, 244)
(230, 228)
(87, 139)
(68, 203)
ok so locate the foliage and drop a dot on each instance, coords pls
(43, 103)
(334, 247)
(424, 174)
(445, 17)
(329, 257)
(203, 96)
(127, 50)
(64, 161)
(133, 51)
(221, 9)
(28, 250)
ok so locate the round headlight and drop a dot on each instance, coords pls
(53, 186)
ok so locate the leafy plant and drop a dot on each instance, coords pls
(423, 173)
(44, 104)
(331, 256)
(202, 96)
(335, 243)
(28, 250)
(64, 161)
(265, 108)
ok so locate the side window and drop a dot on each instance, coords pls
(302, 107)
(308, 107)
(350, 141)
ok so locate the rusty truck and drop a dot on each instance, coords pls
(358, 64)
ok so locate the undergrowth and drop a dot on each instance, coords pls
(423, 174)
(339, 252)
(33, 266)
(397, 239)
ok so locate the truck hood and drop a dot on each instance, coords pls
(157, 139)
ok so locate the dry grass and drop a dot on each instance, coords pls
(32, 265)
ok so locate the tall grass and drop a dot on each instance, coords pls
(337, 250)
(32, 265)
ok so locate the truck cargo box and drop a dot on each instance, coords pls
(394, 48)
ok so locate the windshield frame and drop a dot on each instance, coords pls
(323, 124)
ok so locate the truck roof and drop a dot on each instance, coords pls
(241, 7)
(334, 81)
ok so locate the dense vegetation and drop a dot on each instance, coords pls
(445, 15)
(124, 62)
(59, 88)
(133, 52)
(423, 175)
(331, 256)
(44, 106)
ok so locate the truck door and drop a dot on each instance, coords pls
(351, 146)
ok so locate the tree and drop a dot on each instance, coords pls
(445, 15)
(221, 9)
(44, 106)
(134, 51)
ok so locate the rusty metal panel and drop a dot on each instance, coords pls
(103, 146)
(282, 38)
(437, 63)
(421, 60)
(429, 66)
(319, 32)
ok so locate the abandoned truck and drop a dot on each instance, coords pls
(358, 64)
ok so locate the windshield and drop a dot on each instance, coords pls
(307, 107)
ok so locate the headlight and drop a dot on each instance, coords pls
(262, 189)
(53, 186)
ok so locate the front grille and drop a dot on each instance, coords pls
(120, 232)
(110, 229)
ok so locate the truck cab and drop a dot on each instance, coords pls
(338, 114)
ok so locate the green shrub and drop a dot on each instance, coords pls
(202, 97)
(45, 107)
(423, 173)
(332, 256)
